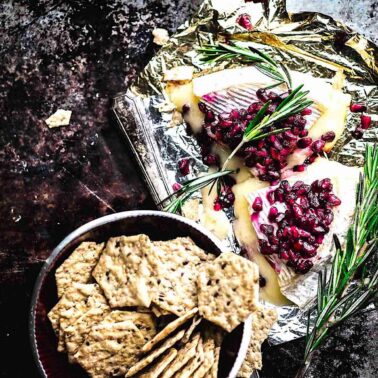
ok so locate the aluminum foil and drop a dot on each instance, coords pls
(311, 43)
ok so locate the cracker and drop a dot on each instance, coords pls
(75, 334)
(228, 290)
(143, 321)
(163, 363)
(262, 322)
(110, 348)
(78, 266)
(158, 311)
(208, 360)
(185, 353)
(193, 364)
(176, 276)
(145, 361)
(213, 373)
(195, 322)
(170, 328)
(77, 300)
(124, 270)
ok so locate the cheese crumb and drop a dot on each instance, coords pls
(60, 118)
(180, 73)
(161, 36)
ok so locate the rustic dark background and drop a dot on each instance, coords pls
(77, 54)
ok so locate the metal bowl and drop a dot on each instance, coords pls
(158, 226)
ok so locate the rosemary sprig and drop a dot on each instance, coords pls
(337, 300)
(220, 52)
(256, 129)
(189, 188)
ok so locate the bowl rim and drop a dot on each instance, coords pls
(110, 219)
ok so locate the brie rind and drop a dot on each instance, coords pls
(301, 289)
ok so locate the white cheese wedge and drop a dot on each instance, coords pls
(301, 289)
(246, 236)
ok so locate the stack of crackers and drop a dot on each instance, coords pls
(138, 308)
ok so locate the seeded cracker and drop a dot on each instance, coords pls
(124, 271)
(75, 302)
(188, 370)
(76, 333)
(262, 322)
(110, 349)
(209, 349)
(188, 333)
(185, 353)
(176, 275)
(145, 361)
(78, 266)
(155, 370)
(170, 328)
(228, 290)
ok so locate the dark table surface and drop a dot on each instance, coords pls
(76, 55)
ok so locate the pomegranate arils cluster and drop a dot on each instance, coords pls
(296, 232)
(269, 155)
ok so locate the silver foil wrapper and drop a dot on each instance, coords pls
(308, 42)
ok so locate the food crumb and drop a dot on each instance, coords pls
(60, 118)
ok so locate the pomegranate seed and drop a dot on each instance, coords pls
(303, 133)
(185, 109)
(262, 281)
(318, 145)
(303, 266)
(209, 116)
(319, 239)
(358, 133)
(329, 136)
(257, 204)
(298, 212)
(284, 256)
(211, 159)
(261, 95)
(303, 202)
(184, 166)
(308, 250)
(289, 136)
(225, 123)
(311, 159)
(298, 245)
(270, 197)
(235, 114)
(266, 229)
(202, 107)
(306, 111)
(299, 168)
(333, 200)
(273, 212)
(357, 108)
(176, 186)
(217, 206)
(254, 108)
(294, 232)
(326, 184)
(265, 247)
(273, 240)
(297, 185)
(365, 121)
(244, 20)
(304, 142)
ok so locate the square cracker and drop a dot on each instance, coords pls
(228, 290)
(185, 353)
(146, 360)
(124, 270)
(170, 328)
(77, 300)
(262, 322)
(155, 370)
(110, 348)
(78, 266)
(176, 276)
